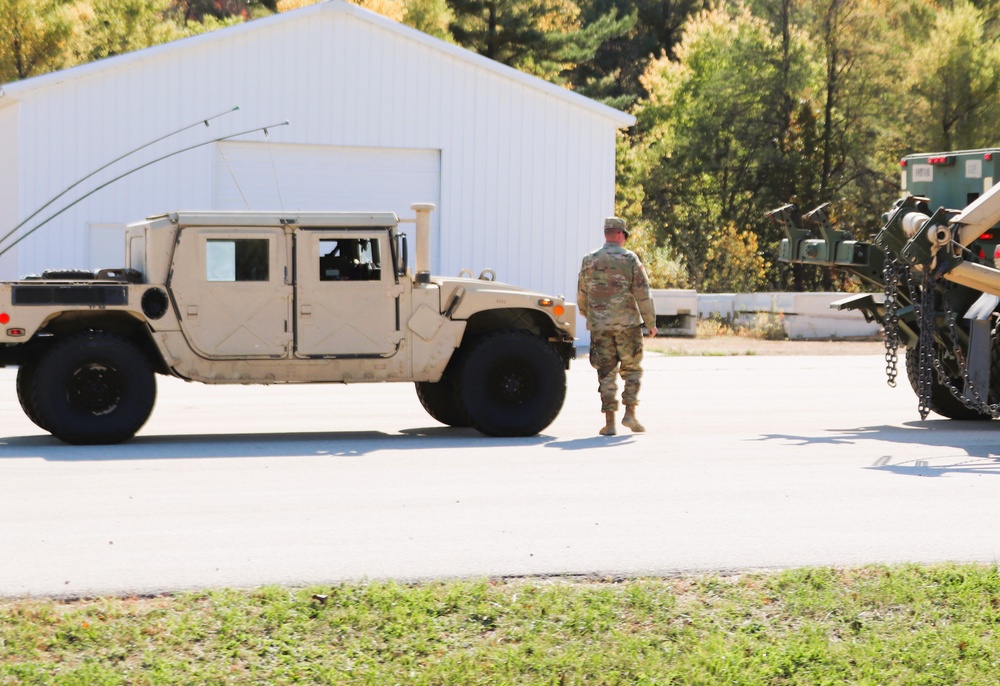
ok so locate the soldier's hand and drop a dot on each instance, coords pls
(652, 332)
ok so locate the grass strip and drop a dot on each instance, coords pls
(871, 625)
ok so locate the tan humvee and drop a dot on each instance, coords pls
(249, 297)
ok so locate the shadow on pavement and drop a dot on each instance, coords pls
(975, 440)
(308, 444)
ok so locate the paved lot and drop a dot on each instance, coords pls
(749, 462)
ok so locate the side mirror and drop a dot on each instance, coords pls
(401, 254)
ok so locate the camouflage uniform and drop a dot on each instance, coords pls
(613, 294)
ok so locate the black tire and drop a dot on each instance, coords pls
(25, 379)
(93, 388)
(510, 383)
(994, 396)
(943, 402)
(440, 401)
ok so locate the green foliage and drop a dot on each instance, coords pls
(430, 16)
(613, 76)
(541, 37)
(712, 135)
(733, 262)
(116, 27)
(893, 625)
(955, 77)
(32, 33)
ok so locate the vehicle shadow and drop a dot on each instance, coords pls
(251, 445)
(972, 446)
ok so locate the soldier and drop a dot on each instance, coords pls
(613, 295)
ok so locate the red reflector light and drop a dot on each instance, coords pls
(4, 318)
(988, 156)
(996, 253)
(902, 163)
(986, 236)
(15, 332)
(941, 160)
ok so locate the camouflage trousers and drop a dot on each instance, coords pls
(613, 353)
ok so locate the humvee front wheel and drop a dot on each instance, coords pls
(510, 383)
(441, 402)
(93, 388)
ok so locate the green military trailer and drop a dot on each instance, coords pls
(931, 270)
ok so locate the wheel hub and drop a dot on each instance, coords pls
(95, 389)
(512, 385)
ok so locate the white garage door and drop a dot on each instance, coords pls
(288, 178)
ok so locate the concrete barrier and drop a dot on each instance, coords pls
(676, 311)
(802, 315)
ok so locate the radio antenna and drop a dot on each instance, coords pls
(132, 171)
(117, 159)
(274, 171)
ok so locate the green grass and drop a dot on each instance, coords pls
(874, 625)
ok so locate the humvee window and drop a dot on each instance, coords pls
(241, 259)
(349, 259)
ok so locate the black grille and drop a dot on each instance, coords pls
(69, 295)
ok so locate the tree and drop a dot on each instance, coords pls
(541, 37)
(713, 133)
(430, 16)
(32, 34)
(954, 79)
(613, 76)
(116, 27)
(837, 148)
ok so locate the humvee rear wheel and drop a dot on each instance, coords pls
(510, 383)
(93, 388)
(440, 401)
(25, 378)
(943, 402)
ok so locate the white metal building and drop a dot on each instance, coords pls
(380, 116)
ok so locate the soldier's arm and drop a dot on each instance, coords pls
(582, 292)
(643, 297)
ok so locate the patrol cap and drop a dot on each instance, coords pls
(616, 223)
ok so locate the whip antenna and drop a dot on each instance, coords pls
(274, 171)
(132, 171)
(117, 159)
(232, 174)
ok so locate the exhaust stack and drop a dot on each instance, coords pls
(423, 266)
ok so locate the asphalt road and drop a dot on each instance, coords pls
(748, 462)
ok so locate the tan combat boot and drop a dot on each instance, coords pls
(609, 426)
(631, 421)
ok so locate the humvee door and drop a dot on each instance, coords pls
(230, 290)
(346, 297)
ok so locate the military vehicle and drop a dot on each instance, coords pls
(266, 298)
(933, 265)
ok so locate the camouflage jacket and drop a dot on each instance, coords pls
(613, 290)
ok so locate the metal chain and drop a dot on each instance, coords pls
(926, 356)
(976, 402)
(922, 298)
(890, 276)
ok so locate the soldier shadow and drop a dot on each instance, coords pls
(334, 444)
(970, 445)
